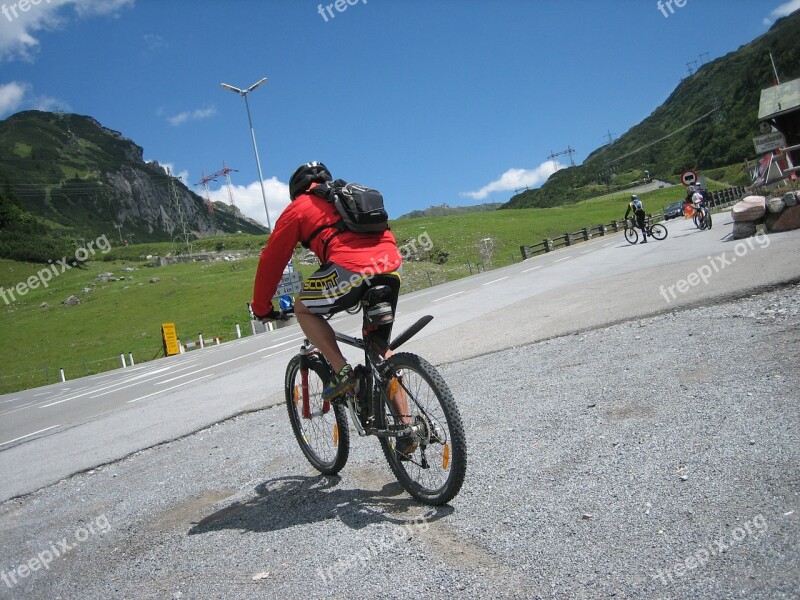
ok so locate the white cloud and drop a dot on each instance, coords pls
(784, 10)
(514, 179)
(194, 115)
(49, 104)
(20, 23)
(11, 96)
(182, 175)
(249, 200)
(19, 96)
(154, 42)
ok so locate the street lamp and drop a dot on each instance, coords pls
(243, 94)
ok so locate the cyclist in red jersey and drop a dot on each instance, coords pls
(349, 264)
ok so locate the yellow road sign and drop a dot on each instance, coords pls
(170, 338)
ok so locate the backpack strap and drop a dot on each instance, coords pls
(338, 226)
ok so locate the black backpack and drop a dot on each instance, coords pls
(360, 208)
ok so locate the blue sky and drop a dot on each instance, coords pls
(430, 101)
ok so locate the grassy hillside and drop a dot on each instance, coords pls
(708, 122)
(209, 297)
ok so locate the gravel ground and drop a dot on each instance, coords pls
(652, 459)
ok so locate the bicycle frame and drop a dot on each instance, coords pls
(374, 362)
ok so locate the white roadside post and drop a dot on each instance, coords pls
(122, 358)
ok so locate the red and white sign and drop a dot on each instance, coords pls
(689, 177)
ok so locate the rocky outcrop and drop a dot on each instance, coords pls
(90, 180)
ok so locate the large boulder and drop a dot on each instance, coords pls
(786, 221)
(775, 205)
(790, 199)
(744, 229)
(749, 208)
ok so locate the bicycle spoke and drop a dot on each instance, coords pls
(322, 433)
(433, 470)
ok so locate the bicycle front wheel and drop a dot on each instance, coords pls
(320, 427)
(699, 221)
(708, 220)
(631, 235)
(431, 463)
(658, 231)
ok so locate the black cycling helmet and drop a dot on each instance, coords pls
(305, 175)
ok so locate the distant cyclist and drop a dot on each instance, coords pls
(698, 198)
(635, 206)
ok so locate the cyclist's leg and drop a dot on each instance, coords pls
(398, 396)
(642, 226)
(327, 291)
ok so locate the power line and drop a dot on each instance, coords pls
(669, 135)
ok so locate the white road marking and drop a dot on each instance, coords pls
(169, 388)
(106, 387)
(533, 268)
(495, 280)
(29, 435)
(560, 259)
(450, 296)
(585, 251)
(17, 408)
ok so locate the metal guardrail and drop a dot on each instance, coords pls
(719, 199)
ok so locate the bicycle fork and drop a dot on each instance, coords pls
(304, 390)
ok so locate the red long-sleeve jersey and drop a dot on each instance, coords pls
(354, 251)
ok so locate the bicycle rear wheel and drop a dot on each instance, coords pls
(434, 471)
(658, 231)
(631, 235)
(322, 432)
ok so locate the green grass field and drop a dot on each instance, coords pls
(209, 297)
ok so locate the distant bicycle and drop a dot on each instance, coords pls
(656, 230)
(702, 217)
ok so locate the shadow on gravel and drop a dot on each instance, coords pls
(289, 501)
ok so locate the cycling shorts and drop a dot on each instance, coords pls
(332, 288)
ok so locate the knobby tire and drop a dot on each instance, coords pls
(442, 444)
(325, 437)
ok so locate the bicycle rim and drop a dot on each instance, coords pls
(322, 434)
(658, 231)
(631, 235)
(708, 221)
(433, 472)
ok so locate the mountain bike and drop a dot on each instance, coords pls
(656, 230)
(702, 217)
(402, 400)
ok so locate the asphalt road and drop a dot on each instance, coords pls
(556, 494)
(99, 419)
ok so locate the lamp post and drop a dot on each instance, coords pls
(243, 94)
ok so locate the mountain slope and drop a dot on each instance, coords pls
(707, 122)
(85, 180)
